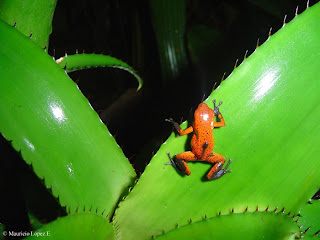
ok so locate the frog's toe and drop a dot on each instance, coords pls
(173, 163)
(221, 172)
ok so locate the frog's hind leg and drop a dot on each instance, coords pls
(180, 161)
(217, 171)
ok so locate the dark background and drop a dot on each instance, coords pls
(124, 29)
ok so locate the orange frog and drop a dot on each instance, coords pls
(202, 142)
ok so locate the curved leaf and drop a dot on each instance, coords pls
(47, 118)
(77, 226)
(169, 21)
(257, 225)
(81, 61)
(30, 16)
(271, 108)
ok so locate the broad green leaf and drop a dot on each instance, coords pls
(272, 133)
(76, 226)
(56, 130)
(169, 22)
(30, 16)
(310, 218)
(257, 225)
(82, 61)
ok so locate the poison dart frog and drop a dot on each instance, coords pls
(202, 142)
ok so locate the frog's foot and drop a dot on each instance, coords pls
(221, 172)
(216, 107)
(174, 164)
(170, 120)
(175, 124)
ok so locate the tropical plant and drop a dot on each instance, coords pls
(270, 106)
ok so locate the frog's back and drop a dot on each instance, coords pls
(203, 131)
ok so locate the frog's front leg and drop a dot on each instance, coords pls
(217, 171)
(180, 161)
(217, 113)
(178, 128)
(216, 107)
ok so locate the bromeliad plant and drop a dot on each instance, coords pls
(271, 108)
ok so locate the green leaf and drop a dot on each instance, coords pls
(310, 218)
(77, 226)
(169, 21)
(272, 133)
(82, 61)
(257, 225)
(30, 16)
(56, 130)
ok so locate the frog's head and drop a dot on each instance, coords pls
(204, 113)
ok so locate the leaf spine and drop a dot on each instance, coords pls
(235, 65)
(284, 20)
(296, 13)
(269, 34)
(224, 74)
(257, 45)
(245, 55)
(306, 230)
